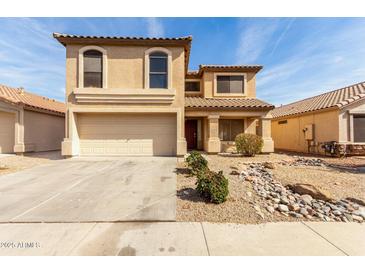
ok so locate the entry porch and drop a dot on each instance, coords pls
(215, 131)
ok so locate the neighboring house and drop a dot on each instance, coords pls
(29, 122)
(135, 96)
(336, 116)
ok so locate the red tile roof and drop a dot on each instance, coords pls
(224, 68)
(21, 97)
(250, 103)
(63, 35)
(338, 98)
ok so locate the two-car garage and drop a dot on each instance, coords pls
(145, 134)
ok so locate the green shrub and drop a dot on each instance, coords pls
(212, 186)
(196, 162)
(249, 144)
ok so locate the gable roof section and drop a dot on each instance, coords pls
(185, 42)
(338, 98)
(228, 68)
(232, 103)
(21, 97)
(223, 68)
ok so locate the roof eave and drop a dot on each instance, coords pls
(74, 39)
(230, 108)
(254, 69)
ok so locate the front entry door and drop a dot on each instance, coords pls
(191, 133)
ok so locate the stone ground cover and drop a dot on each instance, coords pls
(14, 163)
(269, 188)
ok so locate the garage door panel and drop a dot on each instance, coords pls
(116, 147)
(7, 132)
(127, 134)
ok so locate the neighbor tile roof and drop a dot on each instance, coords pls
(19, 96)
(336, 98)
(252, 103)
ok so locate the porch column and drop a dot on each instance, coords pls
(19, 146)
(214, 143)
(265, 133)
(71, 144)
(181, 148)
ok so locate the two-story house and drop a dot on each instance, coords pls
(135, 96)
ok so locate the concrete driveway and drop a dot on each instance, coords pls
(91, 190)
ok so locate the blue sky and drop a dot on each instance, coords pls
(302, 57)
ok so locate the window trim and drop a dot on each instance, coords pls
(230, 94)
(81, 65)
(230, 119)
(147, 66)
(352, 125)
(194, 80)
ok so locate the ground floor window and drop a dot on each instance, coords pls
(359, 128)
(230, 128)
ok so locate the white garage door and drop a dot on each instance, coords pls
(7, 134)
(127, 134)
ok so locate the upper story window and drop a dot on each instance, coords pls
(158, 70)
(230, 84)
(192, 86)
(93, 69)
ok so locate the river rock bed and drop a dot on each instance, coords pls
(277, 198)
(302, 161)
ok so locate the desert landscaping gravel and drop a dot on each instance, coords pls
(14, 163)
(245, 205)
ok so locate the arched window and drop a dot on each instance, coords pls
(158, 74)
(93, 69)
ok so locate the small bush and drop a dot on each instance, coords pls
(196, 162)
(249, 144)
(213, 186)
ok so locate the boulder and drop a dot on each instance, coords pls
(303, 211)
(269, 165)
(234, 172)
(294, 207)
(360, 212)
(284, 200)
(349, 217)
(357, 218)
(283, 208)
(307, 189)
(307, 199)
(337, 213)
(295, 215)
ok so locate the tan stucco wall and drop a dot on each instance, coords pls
(43, 132)
(208, 85)
(290, 136)
(125, 71)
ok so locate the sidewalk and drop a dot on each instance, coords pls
(182, 239)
